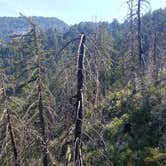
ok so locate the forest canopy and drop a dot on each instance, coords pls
(91, 94)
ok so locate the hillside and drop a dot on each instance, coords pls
(17, 25)
(93, 93)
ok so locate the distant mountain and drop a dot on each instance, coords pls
(18, 25)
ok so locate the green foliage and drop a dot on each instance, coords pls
(96, 157)
(120, 127)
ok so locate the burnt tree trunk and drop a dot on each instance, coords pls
(79, 104)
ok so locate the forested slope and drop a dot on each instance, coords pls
(17, 25)
(124, 94)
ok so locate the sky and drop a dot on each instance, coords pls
(72, 11)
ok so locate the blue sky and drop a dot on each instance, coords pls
(71, 11)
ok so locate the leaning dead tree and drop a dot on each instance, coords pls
(10, 126)
(79, 103)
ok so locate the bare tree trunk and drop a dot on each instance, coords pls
(139, 33)
(133, 76)
(140, 51)
(79, 104)
(13, 141)
(40, 102)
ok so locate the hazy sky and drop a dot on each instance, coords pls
(71, 11)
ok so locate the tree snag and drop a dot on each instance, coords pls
(79, 103)
(40, 101)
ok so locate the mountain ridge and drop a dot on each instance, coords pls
(17, 25)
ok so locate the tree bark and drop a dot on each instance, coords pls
(79, 104)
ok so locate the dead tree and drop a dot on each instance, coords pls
(39, 92)
(40, 101)
(140, 52)
(79, 104)
(140, 49)
(10, 126)
(131, 18)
